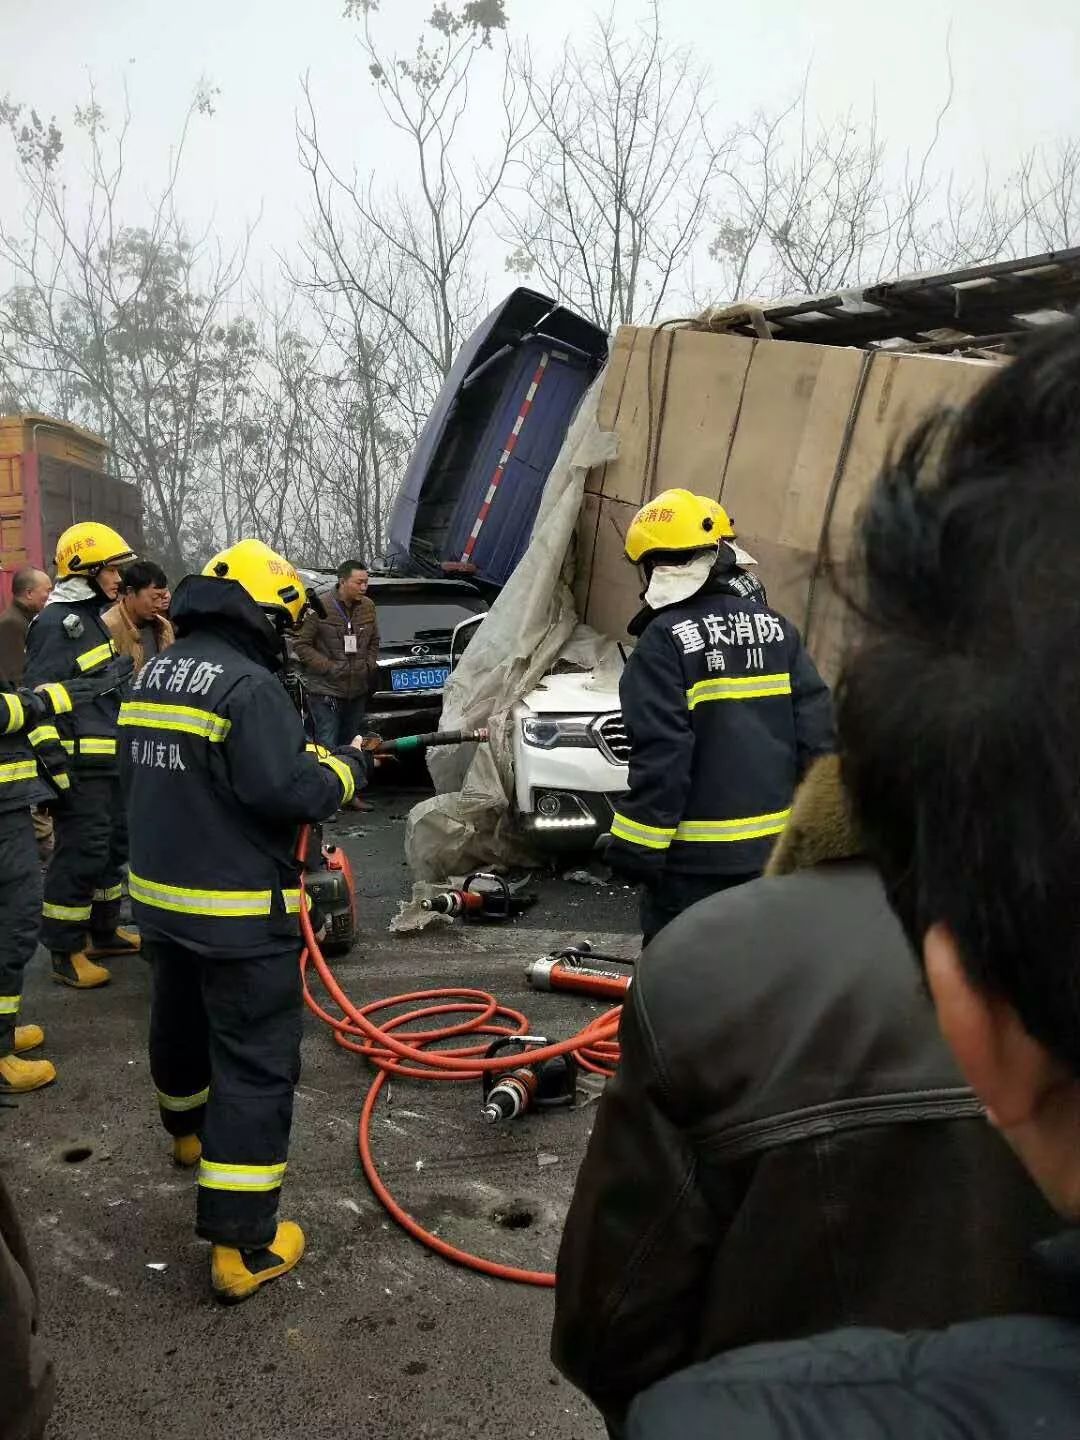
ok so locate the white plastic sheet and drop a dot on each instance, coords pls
(531, 625)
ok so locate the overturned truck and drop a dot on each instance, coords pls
(785, 413)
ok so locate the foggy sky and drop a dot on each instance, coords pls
(1016, 67)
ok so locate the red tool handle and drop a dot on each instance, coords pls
(594, 983)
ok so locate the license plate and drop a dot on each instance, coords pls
(433, 678)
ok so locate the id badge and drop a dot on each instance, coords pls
(350, 644)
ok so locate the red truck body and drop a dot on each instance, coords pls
(52, 475)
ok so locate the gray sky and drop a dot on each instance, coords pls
(1016, 66)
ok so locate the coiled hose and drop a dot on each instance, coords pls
(394, 1050)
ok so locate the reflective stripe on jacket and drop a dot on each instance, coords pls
(69, 639)
(724, 710)
(219, 779)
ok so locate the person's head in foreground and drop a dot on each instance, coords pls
(960, 731)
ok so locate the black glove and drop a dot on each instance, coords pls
(110, 677)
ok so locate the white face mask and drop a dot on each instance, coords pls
(672, 583)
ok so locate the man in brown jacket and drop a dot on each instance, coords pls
(29, 591)
(135, 622)
(338, 656)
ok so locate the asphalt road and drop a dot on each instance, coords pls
(372, 1337)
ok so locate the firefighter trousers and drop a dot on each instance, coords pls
(83, 885)
(665, 899)
(225, 1059)
(20, 914)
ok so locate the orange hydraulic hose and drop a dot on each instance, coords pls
(595, 1047)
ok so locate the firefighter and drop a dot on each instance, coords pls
(30, 749)
(219, 780)
(69, 639)
(723, 707)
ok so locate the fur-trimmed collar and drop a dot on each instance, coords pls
(820, 826)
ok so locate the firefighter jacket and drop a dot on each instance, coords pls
(67, 640)
(30, 747)
(724, 711)
(219, 779)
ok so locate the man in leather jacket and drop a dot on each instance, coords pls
(964, 786)
(788, 1145)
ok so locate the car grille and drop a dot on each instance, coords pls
(613, 739)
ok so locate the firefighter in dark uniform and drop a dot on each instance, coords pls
(30, 754)
(68, 639)
(723, 708)
(219, 780)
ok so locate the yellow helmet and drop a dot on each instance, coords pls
(677, 522)
(266, 576)
(85, 548)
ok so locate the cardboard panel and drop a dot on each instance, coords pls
(795, 409)
(901, 390)
(613, 586)
(611, 396)
(693, 420)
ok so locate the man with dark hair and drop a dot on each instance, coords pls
(136, 622)
(960, 738)
(338, 656)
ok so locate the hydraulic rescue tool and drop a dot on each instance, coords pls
(574, 970)
(482, 896)
(539, 1086)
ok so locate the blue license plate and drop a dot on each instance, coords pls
(432, 678)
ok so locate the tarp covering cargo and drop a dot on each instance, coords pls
(788, 435)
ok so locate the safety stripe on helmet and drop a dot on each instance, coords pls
(43, 734)
(90, 659)
(183, 900)
(738, 687)
(652, 837)
(746, 827)
(9, 1004)
(340, 769)
(16, 715)
(179, 1104)
(90, 745)
(61, 700)
(148, 715)
(113, 892)
(65, 912)
(15, 770)
(248, 1178)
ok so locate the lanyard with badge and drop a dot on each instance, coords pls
(350, 638)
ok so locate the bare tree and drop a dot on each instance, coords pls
(609, 200)
(803, 206)
(118, 325)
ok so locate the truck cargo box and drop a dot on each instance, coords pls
(472, 487)
(52, 475)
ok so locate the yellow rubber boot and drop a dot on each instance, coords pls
(18, 1076)
(120, 942)
(28, 1037)
(237, 1274)
(78, 972)
(186, 1151)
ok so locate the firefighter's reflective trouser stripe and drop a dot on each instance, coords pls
(82, 887)
(699, 832)
(20, 914)
(225, 1059)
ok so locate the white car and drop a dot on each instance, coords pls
(570, 761)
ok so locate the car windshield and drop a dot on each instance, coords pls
(401, 622)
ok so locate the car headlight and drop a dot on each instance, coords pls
(547, 732)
